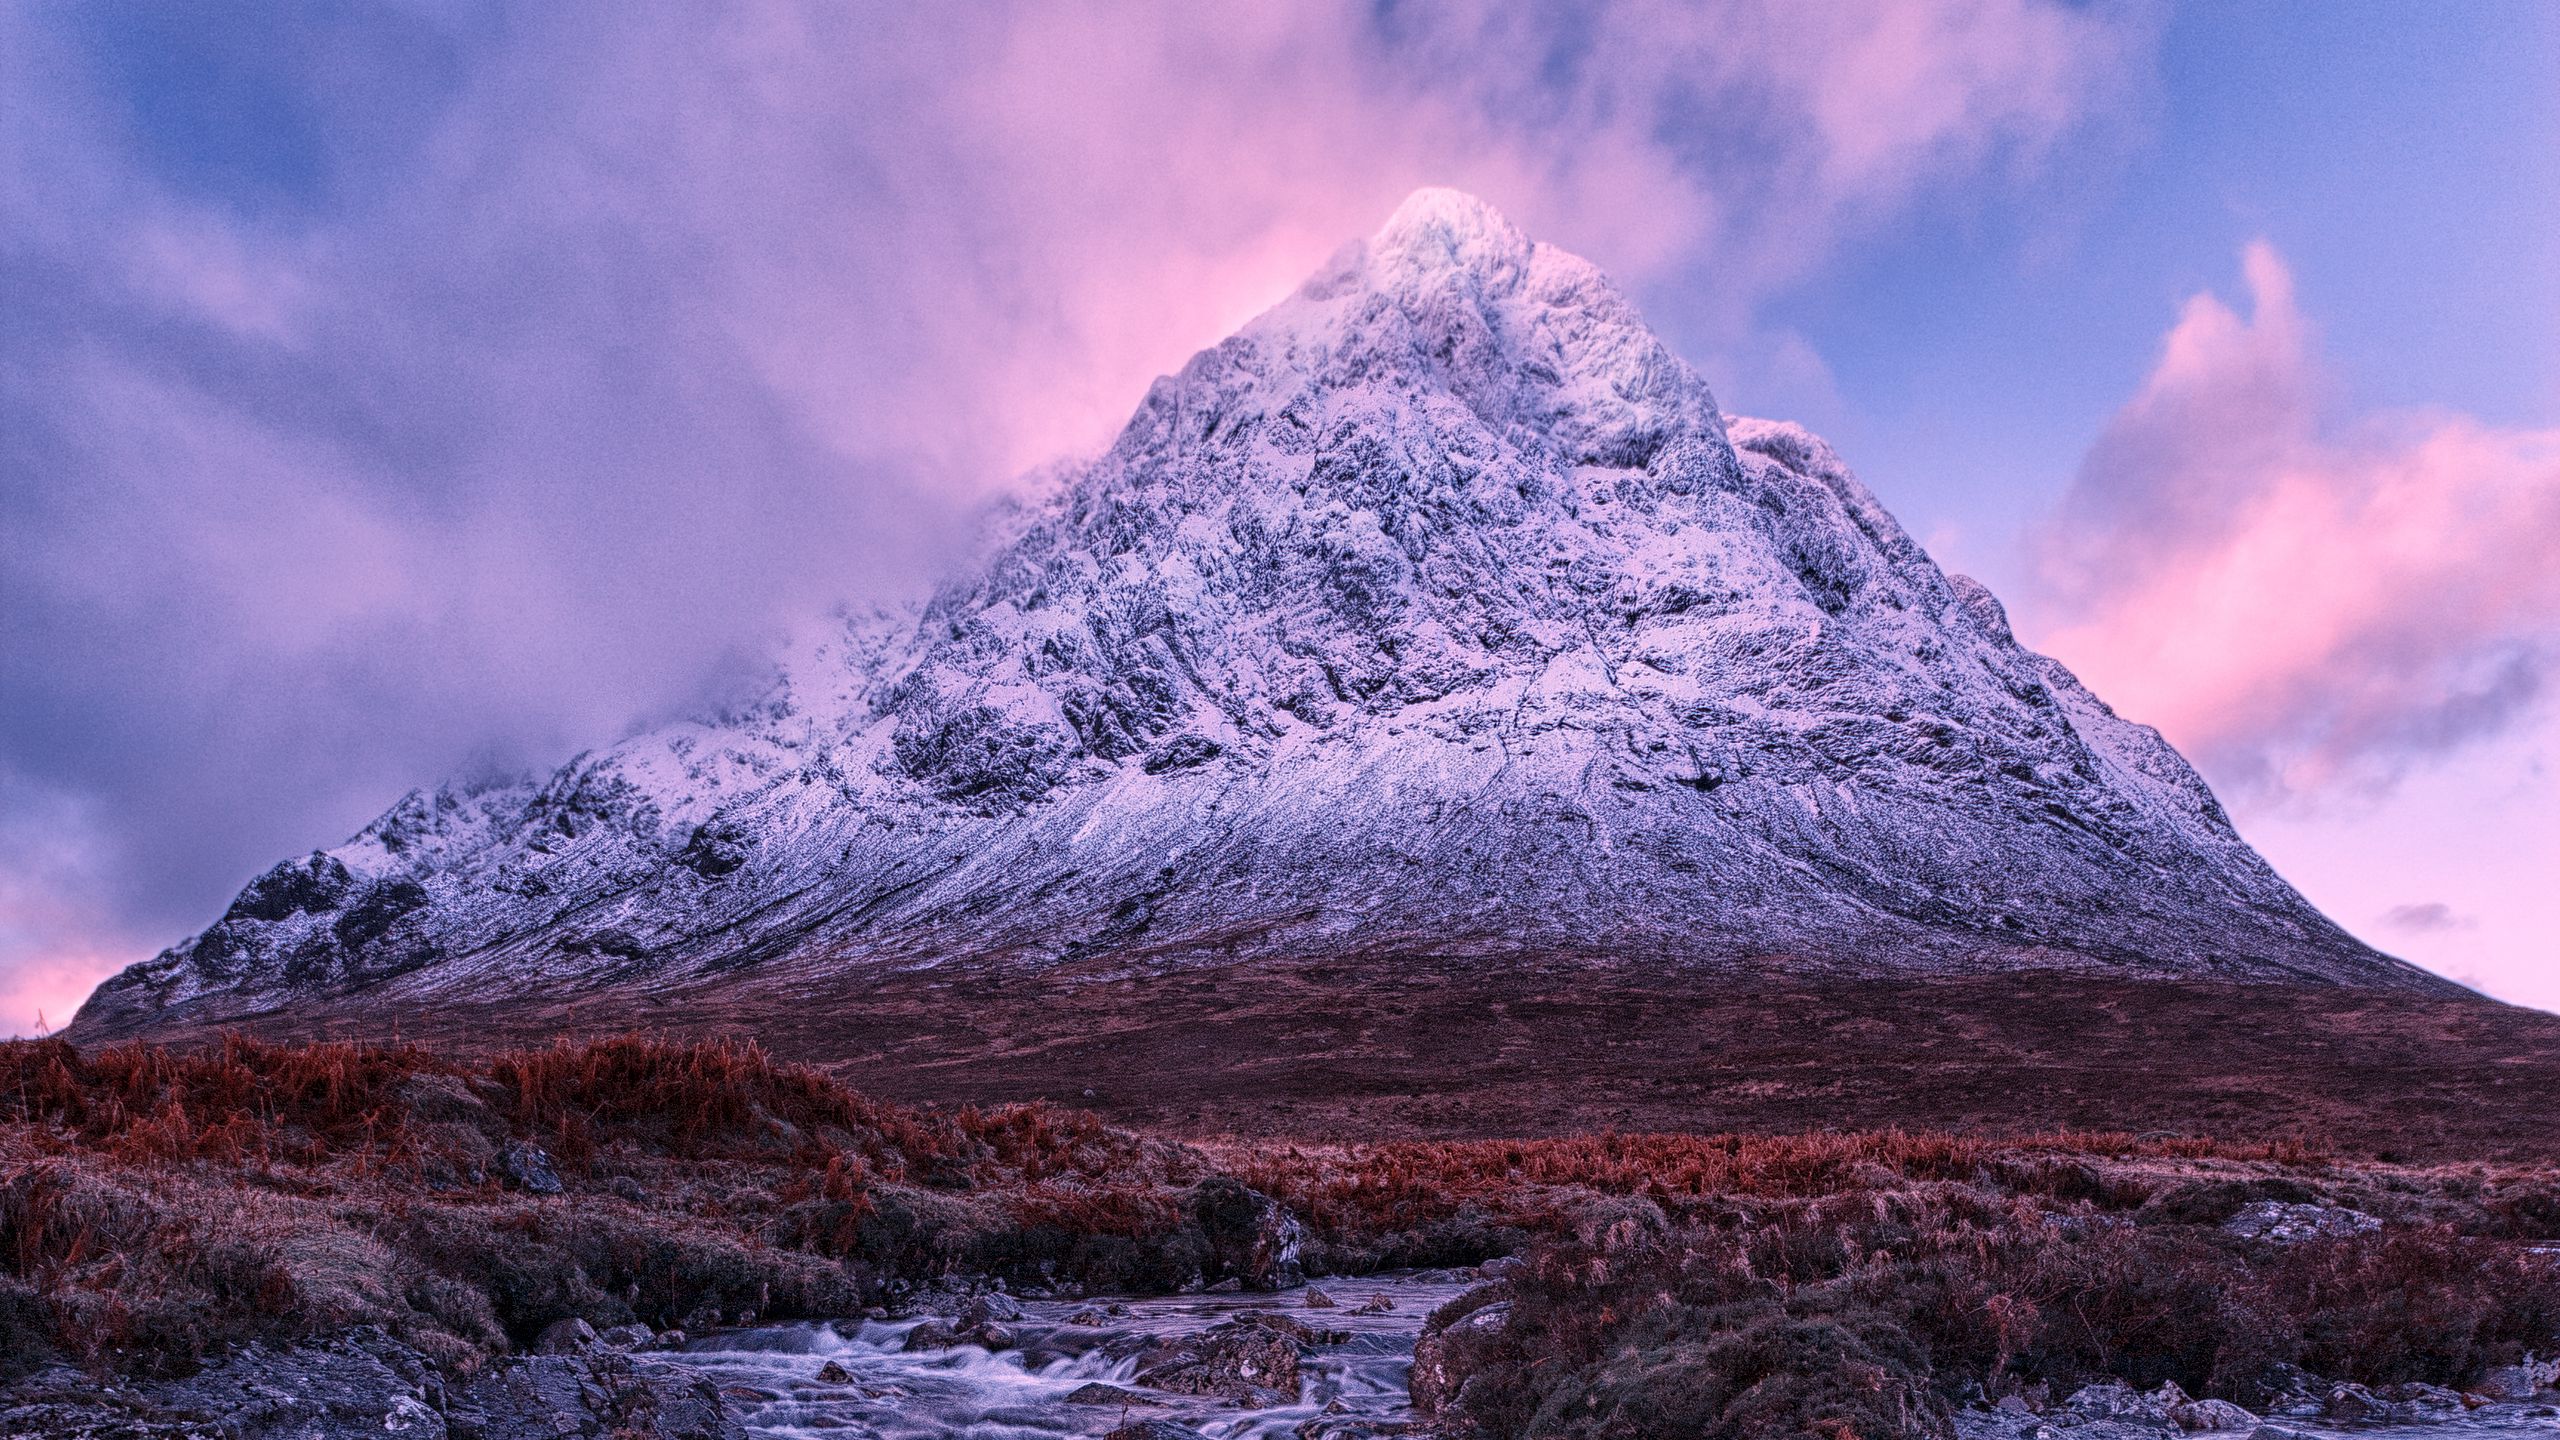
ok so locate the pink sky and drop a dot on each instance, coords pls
(2347, 620)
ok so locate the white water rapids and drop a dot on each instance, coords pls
(770, 1373)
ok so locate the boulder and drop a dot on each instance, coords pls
(2522, 1382)
(2416, 1401)
(1317, 1299)
(1242, 1359)
(2114, 1410)
(940, 1334)
(359, 1382)
(1253, 1239)
(1098, 1393)
(2278, 1223)
(527, 1167)
(566, 1337)
(2212, 1415)
(362, 1382)
(545, 1397)
(1454, 1343)
(991, 1308)
(931, 1335)
(834, 1373)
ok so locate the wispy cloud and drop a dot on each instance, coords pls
(2303, 600)
(2426, 918)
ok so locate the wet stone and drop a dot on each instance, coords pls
(1242, 1364)
(528, 1167)
(1098, 1393)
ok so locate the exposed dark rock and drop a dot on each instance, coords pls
(363, 1383)
(381, 907)
(1098, 1393)
(567, 1337)
(1182, 752)
(2279, 1223)
(715, 850)
(545, 1397)
(994, 1307)
(1454, 1343)
(1154, 1430)
(318, 883)
(528, 1168)
(932, 1335)
(1349, 1427)
(2523, 1381)
(2114, 1410)
(1241, 1359)
(2212, 1415)
(1253, 1239)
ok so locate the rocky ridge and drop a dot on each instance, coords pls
(1439, 610)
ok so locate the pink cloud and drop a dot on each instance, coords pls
(2298, 600)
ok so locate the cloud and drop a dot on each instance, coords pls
(2426, 918)
(2306, 603)
(384, 392)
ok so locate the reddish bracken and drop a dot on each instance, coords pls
(159, 1204)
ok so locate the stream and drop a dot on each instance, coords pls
(770, 1373)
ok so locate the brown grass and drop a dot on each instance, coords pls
(1863, 1312)
(158, 1205)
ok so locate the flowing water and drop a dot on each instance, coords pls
(770, 1373)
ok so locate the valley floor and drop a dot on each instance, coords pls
(259, 1240)
(1390, 1046)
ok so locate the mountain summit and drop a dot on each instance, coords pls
(1439, 611)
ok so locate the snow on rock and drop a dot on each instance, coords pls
(1438, 609)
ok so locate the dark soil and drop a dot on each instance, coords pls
(1414, 1048)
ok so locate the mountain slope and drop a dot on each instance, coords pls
(1439, 609)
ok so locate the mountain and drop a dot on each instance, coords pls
(1439, 611)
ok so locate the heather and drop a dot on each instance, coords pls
(1868, 1285)
(158, 1206)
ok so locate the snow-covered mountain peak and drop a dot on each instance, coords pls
(1442, 229)
(1438, 608)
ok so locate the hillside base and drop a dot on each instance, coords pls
(1388, 1047)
